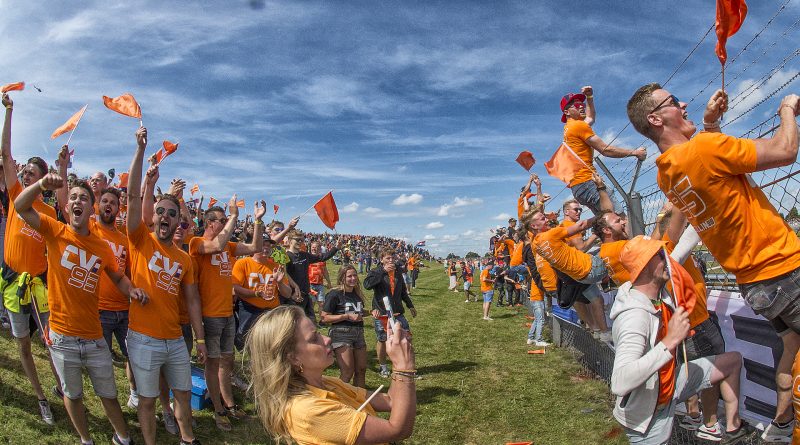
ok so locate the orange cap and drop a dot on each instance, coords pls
(638, 252)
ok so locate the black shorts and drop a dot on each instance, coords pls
(706, 341)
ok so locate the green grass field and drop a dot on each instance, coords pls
(479, 386)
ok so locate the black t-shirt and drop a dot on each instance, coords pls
(338, 302)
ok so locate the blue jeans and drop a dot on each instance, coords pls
(538, 323)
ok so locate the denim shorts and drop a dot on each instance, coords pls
(776, 299)
(115, 323)
(706, 341)
(71, 354)
(596, 273)
(248, 314)
(467, 285)
(487, 296)
(150, 356)
(320, 289)
(21, 321)
(586, 193)
(350, 336)
(381, 333)
(220, 332)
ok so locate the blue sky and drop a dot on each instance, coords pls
(413, 112)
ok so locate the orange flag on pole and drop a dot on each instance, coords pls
(564, 164)
(18, 86)
(170, 148)
(211, 202)
(526, 160)
(326, 209)
(730, 16)
(275, 209)
(240, 203)
(123, 180)
(124, 104)
(195, 188)
(70, 124)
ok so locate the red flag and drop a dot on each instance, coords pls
(211, 202)
(170, 148)
(195, 188)
(526, 160)
(123, 180)
(730, 16)
(160, 155)
(682, 285)
(124, 104)
(564, 164)
(275, 209)
(70, 124)
(240, 203)
(326, 209)
(18, 86)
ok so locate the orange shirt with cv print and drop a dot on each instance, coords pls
(576, 133)
(700, 312)
(250, 274)
(160, 269)
(24, 247)
(706, 178)
(75, 263)
(111, 299)
(214, 273)
(609, 253)
(552, 246)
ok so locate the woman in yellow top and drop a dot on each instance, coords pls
(295, 401)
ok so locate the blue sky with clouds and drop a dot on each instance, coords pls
(412, 111)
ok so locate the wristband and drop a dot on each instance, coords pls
(259, 222)
(589, 96)
(200, 341)
(711, 124)
(41, 186)
(9, 107)
(601, 188)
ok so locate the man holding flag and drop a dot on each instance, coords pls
(572, 162)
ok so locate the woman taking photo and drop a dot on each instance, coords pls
(343, 310)
(296, 402)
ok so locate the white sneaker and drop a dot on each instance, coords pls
(541, 343)
(169, 423)
(488, 318)
(133, 401)
(47, 414)
(531, 341)
(774, 433)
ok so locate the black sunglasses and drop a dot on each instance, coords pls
(172, 213)
(221, 220)
(184, 225)
(675, 103)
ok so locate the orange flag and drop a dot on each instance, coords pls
(682, 285)
(275, 209)
(526, 160)
(123, 180)
(326, 209)
(564, 164)
(240, 203)
(170, 148)
(70, 124)
(18, 86)
(124, 104)
(195, 188)
(730, 16)
(211, 202)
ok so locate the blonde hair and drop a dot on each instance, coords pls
(341, 277)
(274, 381)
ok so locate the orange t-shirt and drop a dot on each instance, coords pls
(412, 263)
(111, 299)
(160, 269)
(575, 135)
(516, 256)
(552, 246)
(706, 178)
(183, 309)
(666, 375)
(566, 224)
(549, 278)
(609, 253)
(391, 282)
(75, 263)
(486, 286)
(250, 274)
(536, 293)
(24, 247)
(700, 312)
(214, 284)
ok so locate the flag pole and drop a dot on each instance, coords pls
(76, 124)
(309, 209)
(677, 303)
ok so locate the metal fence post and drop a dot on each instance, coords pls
(636, 215)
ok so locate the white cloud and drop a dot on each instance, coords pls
(413, 198)
(468, 233)
(502, 217)
(349, 208)
(444, 210)
(447, 238)
(429, 237)
(434, 225)
(372, 210)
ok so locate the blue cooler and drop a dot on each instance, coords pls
(564, 314)
(200, 398)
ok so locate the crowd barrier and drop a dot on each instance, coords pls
(743, 331)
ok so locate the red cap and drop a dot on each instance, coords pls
(567, 99)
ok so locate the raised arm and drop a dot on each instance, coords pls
(258, 232)
(148, 195)
(590, 110)
(781, 149)
(135, 182)
(24, 201)
(289, 227)
(9, 166)
(62, 192)
(612, 151)
(218, 244)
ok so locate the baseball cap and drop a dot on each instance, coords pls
(569, 97)
(637, 253)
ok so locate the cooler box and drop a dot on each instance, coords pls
(200, 398)
(564, 314)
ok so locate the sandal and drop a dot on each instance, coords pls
(222, 421)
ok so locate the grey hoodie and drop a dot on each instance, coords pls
(637, 359)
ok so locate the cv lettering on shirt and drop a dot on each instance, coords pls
(221, 260)
(83, 275)
(168, 274)
(119, 253)
(28, 231)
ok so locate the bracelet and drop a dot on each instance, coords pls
(589, 96)
(711, 124)
(405, 370)
(41, 186)
(601, 188)
(785, 105)
(9, 107)
(200, 341)
(258, 222)
(408, 380)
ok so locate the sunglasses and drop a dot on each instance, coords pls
(277, 229)
(172, 213)
(675, 102)
(577, 209)
(184, 225)
(223, 221)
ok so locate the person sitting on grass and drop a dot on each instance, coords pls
(344, 311)
(296, 402)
